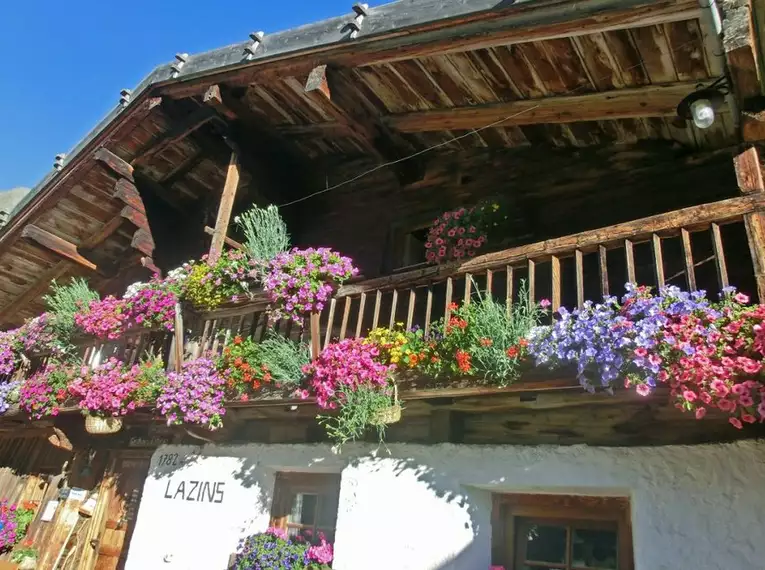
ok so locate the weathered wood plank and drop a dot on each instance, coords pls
(579, 263)
(658, 260)
(651, 101)
(629, 255)
(603, 268)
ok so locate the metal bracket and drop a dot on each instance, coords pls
(58, 163)
(362, 11)
(180, 61)
(252, 47)
(125, 96)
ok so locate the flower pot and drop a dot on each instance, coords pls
(99, 425)
(391, 414)
(28, 563)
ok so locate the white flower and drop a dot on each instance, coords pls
(133, 289)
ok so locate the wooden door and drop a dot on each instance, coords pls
(130, 472)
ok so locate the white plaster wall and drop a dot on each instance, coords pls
(428, 507)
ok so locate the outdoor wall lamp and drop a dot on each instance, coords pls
(700, 105)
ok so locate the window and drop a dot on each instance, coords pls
(550, 532)
(406, 245)
(306, 504)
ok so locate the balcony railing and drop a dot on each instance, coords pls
(704, 246)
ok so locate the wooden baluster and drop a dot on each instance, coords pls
(658, 260)
(468, 289)
(213, 332)
(489, 283)
(346, 316)
(449, 293)
(603, 264)
(555, 277)
(393, 307)
(203, 342)
(629, 254)
(378, 303)
(690, 272)
(410, 308)
(360, 319)
(579, 263)
(216, 339)
(532, 281)
(509, 289)
(722, 268)
(330, 321)
(288, 328)
(428, 309)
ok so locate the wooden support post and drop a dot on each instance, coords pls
(750, 181)
(178, 338)
(315, 335)
(233, 243)
(224, 210)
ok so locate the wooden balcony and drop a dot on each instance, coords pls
(702, 247)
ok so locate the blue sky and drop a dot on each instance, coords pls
(63, 64)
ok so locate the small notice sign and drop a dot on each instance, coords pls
(50, 511)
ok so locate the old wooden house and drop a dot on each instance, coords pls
(582, 117)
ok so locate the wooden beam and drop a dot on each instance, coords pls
(739, 43)
(169, 197)
(224, 210)
(37, 289)
(327, 129)
(317, 82)
(652, 101)
(180, 131)
(114, 163)
(228, 240)
(56, 244)
(750, 181)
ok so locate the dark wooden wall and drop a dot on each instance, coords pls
(550, 193)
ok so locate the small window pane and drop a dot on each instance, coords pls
(303, 509)
(594, 549)
(546, 543)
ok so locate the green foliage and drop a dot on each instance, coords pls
(63, 303)
(483, 339)
(265, 233)
(360, 409)
(150, 375)
(284, 358)
(20, 554)
(24, 517)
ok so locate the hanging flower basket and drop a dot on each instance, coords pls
(389, 415)
(102, 426)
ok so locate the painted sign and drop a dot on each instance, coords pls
(196, 505)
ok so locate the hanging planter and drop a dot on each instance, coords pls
(388, 415)
(302, 281)
(102, 426)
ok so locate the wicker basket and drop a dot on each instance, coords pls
(99, 425)
(391, 414)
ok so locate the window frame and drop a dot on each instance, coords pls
(510, 511)
(288, 485)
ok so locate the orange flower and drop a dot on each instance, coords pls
(237, 339)
(486, 342)
(523, 342)
(463, 360)
(246, 367)
(412, 360)
(238, 361)
(512, 352)
(453, 306)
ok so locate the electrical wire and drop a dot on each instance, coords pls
(465, 135)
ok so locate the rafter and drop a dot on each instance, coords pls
(178, 132)
(652, 101)
(57, 245)
(383, 143)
